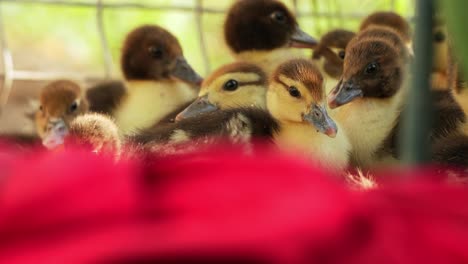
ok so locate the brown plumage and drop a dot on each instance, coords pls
(105, 97)
(259, 25)
(331, 49)
(389, 19)
(95, 131)
(447, 118)
(231, 123)
(451, 150)
(263, 32)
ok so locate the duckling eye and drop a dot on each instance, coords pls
(341, 54)
(371, 68)
(294, 92)
(73, 107)
(231, 85)
(155, 52)
(279, 17)
(439, 37)
(317, 113)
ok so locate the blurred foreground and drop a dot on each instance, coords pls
(220, 206)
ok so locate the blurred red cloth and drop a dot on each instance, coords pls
(220, 207)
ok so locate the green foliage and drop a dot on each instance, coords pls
(52, 37)
(457, 22)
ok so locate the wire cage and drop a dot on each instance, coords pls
(315, 16)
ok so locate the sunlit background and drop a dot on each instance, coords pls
(63, 38)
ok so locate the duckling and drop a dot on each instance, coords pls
(329, 55)
(370, 94)
(263, 32)
(96, 131)
(60, 102)
(231, 86)
(392, 20)
(158, 78)
(296, 98)
(306, 127)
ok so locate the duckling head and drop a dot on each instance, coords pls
(389, 19)
(296, 95)
(61, 101)
(373, 68)
(152, 53)
(331, 51)
(239, 84)
(440, 44)
(263, 25)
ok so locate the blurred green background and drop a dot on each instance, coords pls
(45, 37)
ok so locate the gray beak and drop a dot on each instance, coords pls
(184, 72)
(56, 132)
(300, 39)
(319, 118)
(343, 93)
(199, 106)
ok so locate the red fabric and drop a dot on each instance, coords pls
(223, 207)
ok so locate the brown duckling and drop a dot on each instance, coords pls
(329, 55)
(263, 32)
(60, 102)
(159, 79)
(370, 94)
(392, 20)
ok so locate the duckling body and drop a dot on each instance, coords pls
(148, 102)
(305, 140)
(367, 132)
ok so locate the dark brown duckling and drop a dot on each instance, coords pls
(158, 78)
(263, 31)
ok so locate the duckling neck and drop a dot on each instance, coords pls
(269, 60)
(367, 122)
(147, 102)
(304, 139)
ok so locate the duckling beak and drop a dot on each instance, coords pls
(199, 106)
(343, 93)
(300, 39)
(184, 72)
(319, 118)
(56, 132)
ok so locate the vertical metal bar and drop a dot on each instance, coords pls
(201, 36)
(8, 68)
(417, 118)
(295, 7)
(106, 54)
